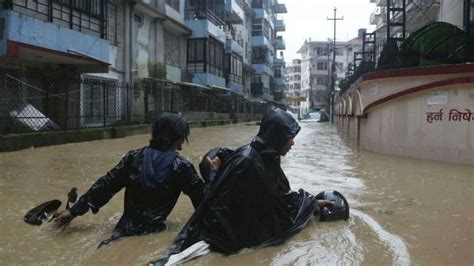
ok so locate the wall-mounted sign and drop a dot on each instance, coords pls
(453, 115)
(373, 90)
(438, 98)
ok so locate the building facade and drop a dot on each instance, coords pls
(265, 47)
(417, 101)
(86, 60)
(293, 86)
(316, 62)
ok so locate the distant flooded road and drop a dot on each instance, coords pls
(404, 211)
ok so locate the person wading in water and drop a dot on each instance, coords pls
(249, 202)
(153, 178)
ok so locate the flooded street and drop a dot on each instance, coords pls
(404, 211)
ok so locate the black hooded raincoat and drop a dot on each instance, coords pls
(250, 204)
(149, 197)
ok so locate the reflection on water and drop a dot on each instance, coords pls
(404, 210)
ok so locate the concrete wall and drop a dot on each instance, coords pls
(15, 142)
(29, 30)
(393, 109)
(401, 127)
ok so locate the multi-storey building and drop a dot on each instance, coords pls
(244, 35)
(293, 85)
(45, 47)
(85, 55)
(265, 44)
(316, 62)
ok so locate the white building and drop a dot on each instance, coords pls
(316, 61)
(293, 85)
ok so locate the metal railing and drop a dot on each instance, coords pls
(86, 16)
(202, 13)
(28, 105)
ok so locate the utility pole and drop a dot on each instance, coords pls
(333, 68)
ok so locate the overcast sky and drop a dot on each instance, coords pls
(308, 19)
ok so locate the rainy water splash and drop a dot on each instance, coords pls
(394, 242)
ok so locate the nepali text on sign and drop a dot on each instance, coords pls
(453, 115)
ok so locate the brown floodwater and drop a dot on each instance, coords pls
(404, 211)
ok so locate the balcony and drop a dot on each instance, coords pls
(29, 38)
(280, 25)
(280, 9)
(279, 61)
(279, 82)
(204, 22)
(262, 68)
(279, 43)
(234, 13)
(259, 41)
(261, 13)
(319, 72)
(233, 45)
(207, 79)
(319, 87)
(236, 87)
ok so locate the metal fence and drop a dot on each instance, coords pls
(32, 104)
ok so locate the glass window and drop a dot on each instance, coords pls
(174, 4)
(322, 66)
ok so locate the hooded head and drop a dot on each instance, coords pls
(276, 129)
(167, 130)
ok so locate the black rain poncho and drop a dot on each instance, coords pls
(250, 204)
(153, 181)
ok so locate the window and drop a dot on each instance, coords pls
(206, 56)
(138, 19)
(196, 53)
(261, 27)
(321, 81)
(257, 27)
(322, 66)
(174, 4)
(321, 50)
(173, 49)
(215, 59)
(234, 67)
(92, 6)
(114, 24)
(259, 55)
(277, 71)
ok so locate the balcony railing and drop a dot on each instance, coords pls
(85, 16)
(203, 14)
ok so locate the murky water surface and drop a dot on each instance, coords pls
(405, 211)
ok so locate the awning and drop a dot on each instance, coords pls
(227, 90)
(199, 86)
(169, 84)
(224, 89)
